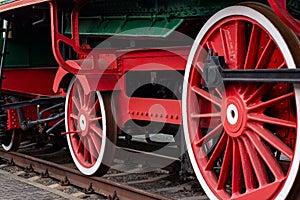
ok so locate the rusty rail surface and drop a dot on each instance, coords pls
(74, 177)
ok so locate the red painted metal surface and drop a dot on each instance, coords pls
(280, 8)
(12, 120)
(30, 81)
(20, 3)
(104, 73)
(30, 112)
(60, 74)
(58, 38)
(155, 59)
(145, 109)
(157, 110)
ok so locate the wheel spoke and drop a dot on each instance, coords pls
(93, 158)
(94, 107)
(80, 146)
(271, 120)
(267, 155)
(70, 132)
(96, 142)
(90, 99)
(226, 166)
(210, 135)
(236, 169)
(248, 89)
(223, 34)
(97, 130)
(209, 45)
(217, 152)
(215, 100)
(282, 65)
(246, 167)
(91, 149)
(199, 68)
(257, 164)
(80, 96)
(266, 55)
(271, 139)
(258, 93)
(72, 115)
(86, 153)
(76, 103)
(251, 57)
(218, 92)
(240, 44)
(272, 102)
(95, 119)
(234, 44)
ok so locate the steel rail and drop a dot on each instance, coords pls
(74, 177)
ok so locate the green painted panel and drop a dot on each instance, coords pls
(17, 53)
(131, 26)
(171, 8)
(27, 49)
(294, 5)
(2, 2)
(294, 8)
(102, 17)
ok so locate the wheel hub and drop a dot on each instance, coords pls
(82, 122)
(234, 115)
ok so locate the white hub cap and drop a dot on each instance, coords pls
(82, 122)
(232, 114)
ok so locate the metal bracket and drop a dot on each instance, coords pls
(114, 196)
(89, 190)
(29, 169)
(65, 182)
(45, 174)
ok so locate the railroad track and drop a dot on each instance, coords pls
(97, 184)
(133, 183)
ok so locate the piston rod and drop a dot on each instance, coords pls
(215, 73)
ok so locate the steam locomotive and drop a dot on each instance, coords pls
(221, 74)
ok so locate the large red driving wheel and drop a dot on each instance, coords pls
(91, 129)
(242, 137)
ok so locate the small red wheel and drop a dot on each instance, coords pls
(243, 138)
(14, 137)
(91, 129)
